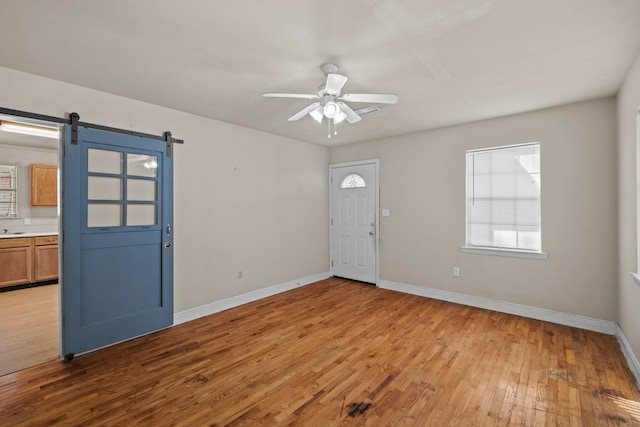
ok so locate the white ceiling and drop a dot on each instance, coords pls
(450, 61)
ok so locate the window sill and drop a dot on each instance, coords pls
(503, 252)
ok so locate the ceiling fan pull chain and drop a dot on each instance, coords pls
(329, 124)
(335, 127)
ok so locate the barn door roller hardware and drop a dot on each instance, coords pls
(166, 137)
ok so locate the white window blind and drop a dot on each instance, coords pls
(8, 190)
(503, 198)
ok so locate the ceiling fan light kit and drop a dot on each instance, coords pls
(332, 104)
(331, 109)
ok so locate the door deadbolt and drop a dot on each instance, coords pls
(167, 245)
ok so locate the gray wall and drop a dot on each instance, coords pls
(628, 139)
(422, 182)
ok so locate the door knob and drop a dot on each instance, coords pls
(371, 233)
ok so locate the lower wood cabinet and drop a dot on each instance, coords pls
(45, 258)
(16, 259)
(28, 260)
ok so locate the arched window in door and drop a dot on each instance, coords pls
(353, 181)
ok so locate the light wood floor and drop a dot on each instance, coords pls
(29, 332)
(337, 353)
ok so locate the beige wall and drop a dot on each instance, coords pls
(422, 182)
(628, 291)
(244, 200)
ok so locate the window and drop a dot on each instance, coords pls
(353, 181)
(8, 189)
(122, 189)
(503, 200)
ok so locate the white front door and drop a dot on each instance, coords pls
(354, 241)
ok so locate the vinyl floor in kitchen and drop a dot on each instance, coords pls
(29, 332)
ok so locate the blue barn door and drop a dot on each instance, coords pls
(117, 244)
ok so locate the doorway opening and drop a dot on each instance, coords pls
(29, 227)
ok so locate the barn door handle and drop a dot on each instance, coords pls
(168, 229)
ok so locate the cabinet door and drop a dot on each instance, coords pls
(46, 263)
(44, 185)
(16, 266)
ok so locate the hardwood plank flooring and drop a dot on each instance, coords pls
(29, 332)
(338, 353)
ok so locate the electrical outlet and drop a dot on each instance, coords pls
(239, 274)
(456, 271)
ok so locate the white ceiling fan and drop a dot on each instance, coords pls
(331, 102)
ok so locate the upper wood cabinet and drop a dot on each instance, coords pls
(44, 185)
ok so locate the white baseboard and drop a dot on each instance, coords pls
(225, 304)
(573, 320)
(632, 360)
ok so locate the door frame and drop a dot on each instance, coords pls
(49, 121)
(376, 240)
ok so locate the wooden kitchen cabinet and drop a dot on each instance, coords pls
(45, 259)
(16, 259)
(44, 185)
(28, 260)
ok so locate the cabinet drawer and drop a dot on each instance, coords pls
(17, 242)
(46, 240)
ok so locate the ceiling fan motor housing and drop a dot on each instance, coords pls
(329, 69)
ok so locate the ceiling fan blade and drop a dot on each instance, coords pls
(290, 95)
(306, 110)
(382, 98)
(335, 83)
(352, 116)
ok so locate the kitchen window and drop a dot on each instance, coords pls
(8, 190)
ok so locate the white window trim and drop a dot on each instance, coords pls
(514, 253)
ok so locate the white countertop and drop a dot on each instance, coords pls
(34, 234)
